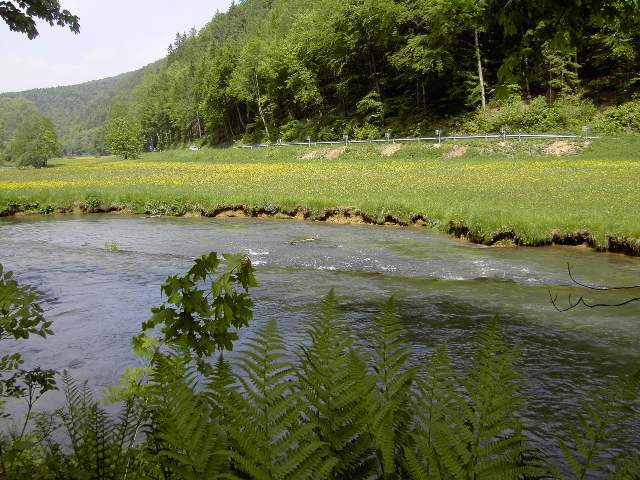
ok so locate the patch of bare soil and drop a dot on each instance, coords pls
(313, 154)
(231, 213)
(346, 217)
(389, 150)
(457, 151)
(561, 148)
(326, 153)
(335, 153)
(301, 214)
(437, 145)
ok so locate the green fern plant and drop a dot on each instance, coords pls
(627, 468)
(438, 449)
(471, 431)
(102, 447)
(599, 437)
(270, 437)
(496, 443)
(333, 378)
(184, 434)
(389, 399)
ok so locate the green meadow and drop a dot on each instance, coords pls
(532, 190)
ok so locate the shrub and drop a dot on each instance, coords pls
(536, 116)
(292, 130)
(622, 119)
(366, 132)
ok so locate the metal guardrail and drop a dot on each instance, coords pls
(496, 136)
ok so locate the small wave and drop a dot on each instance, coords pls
(258, 253)
(454, 278)
(329, 268)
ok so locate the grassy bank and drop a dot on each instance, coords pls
(487, 192)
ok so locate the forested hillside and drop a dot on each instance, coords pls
(291, 68)
(79, 111)
(284, 69)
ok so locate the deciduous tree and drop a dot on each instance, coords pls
(124, 137)
(21, 15)
(35, 143)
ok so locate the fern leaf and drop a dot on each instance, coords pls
(268, 431)
(497, 445)
(389, 402)
(189, 438)
(602, 430)
(331, 376)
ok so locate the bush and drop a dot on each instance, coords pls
(622, 119)
(536, 116)
(366, 132)
(292, 130)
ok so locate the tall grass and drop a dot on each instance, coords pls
(489, 187)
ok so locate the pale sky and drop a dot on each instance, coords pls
(116, 36)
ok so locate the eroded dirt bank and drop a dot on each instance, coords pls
(500, 238)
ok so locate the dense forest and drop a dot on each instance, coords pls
(77, 111)
(284, 69)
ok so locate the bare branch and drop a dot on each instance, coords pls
(581, 300)
(592, 287)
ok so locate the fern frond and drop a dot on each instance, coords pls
(102, 447)
(331, 376)
(440, 438)
(602, 430)
(496, 445)
(269, 435)
(189, 439)
(390, 416)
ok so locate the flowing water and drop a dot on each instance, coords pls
(447, 290)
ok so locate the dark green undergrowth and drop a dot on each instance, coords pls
(325, 409)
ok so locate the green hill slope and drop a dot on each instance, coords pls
(79, 111)
(287, 69)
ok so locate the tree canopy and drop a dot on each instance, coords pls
(34, 143)
(124, 137)
(21, 15)
(268, 70)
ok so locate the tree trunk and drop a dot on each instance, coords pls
(424, 98)
(266, 129)
(199, 127)
(526, 78)
(480, 74)
(240, 118)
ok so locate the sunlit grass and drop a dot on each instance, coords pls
(492, 186)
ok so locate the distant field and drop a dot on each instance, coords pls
(476, 189)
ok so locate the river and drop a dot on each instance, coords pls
(447, 291)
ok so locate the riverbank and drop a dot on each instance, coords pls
(525, 193)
